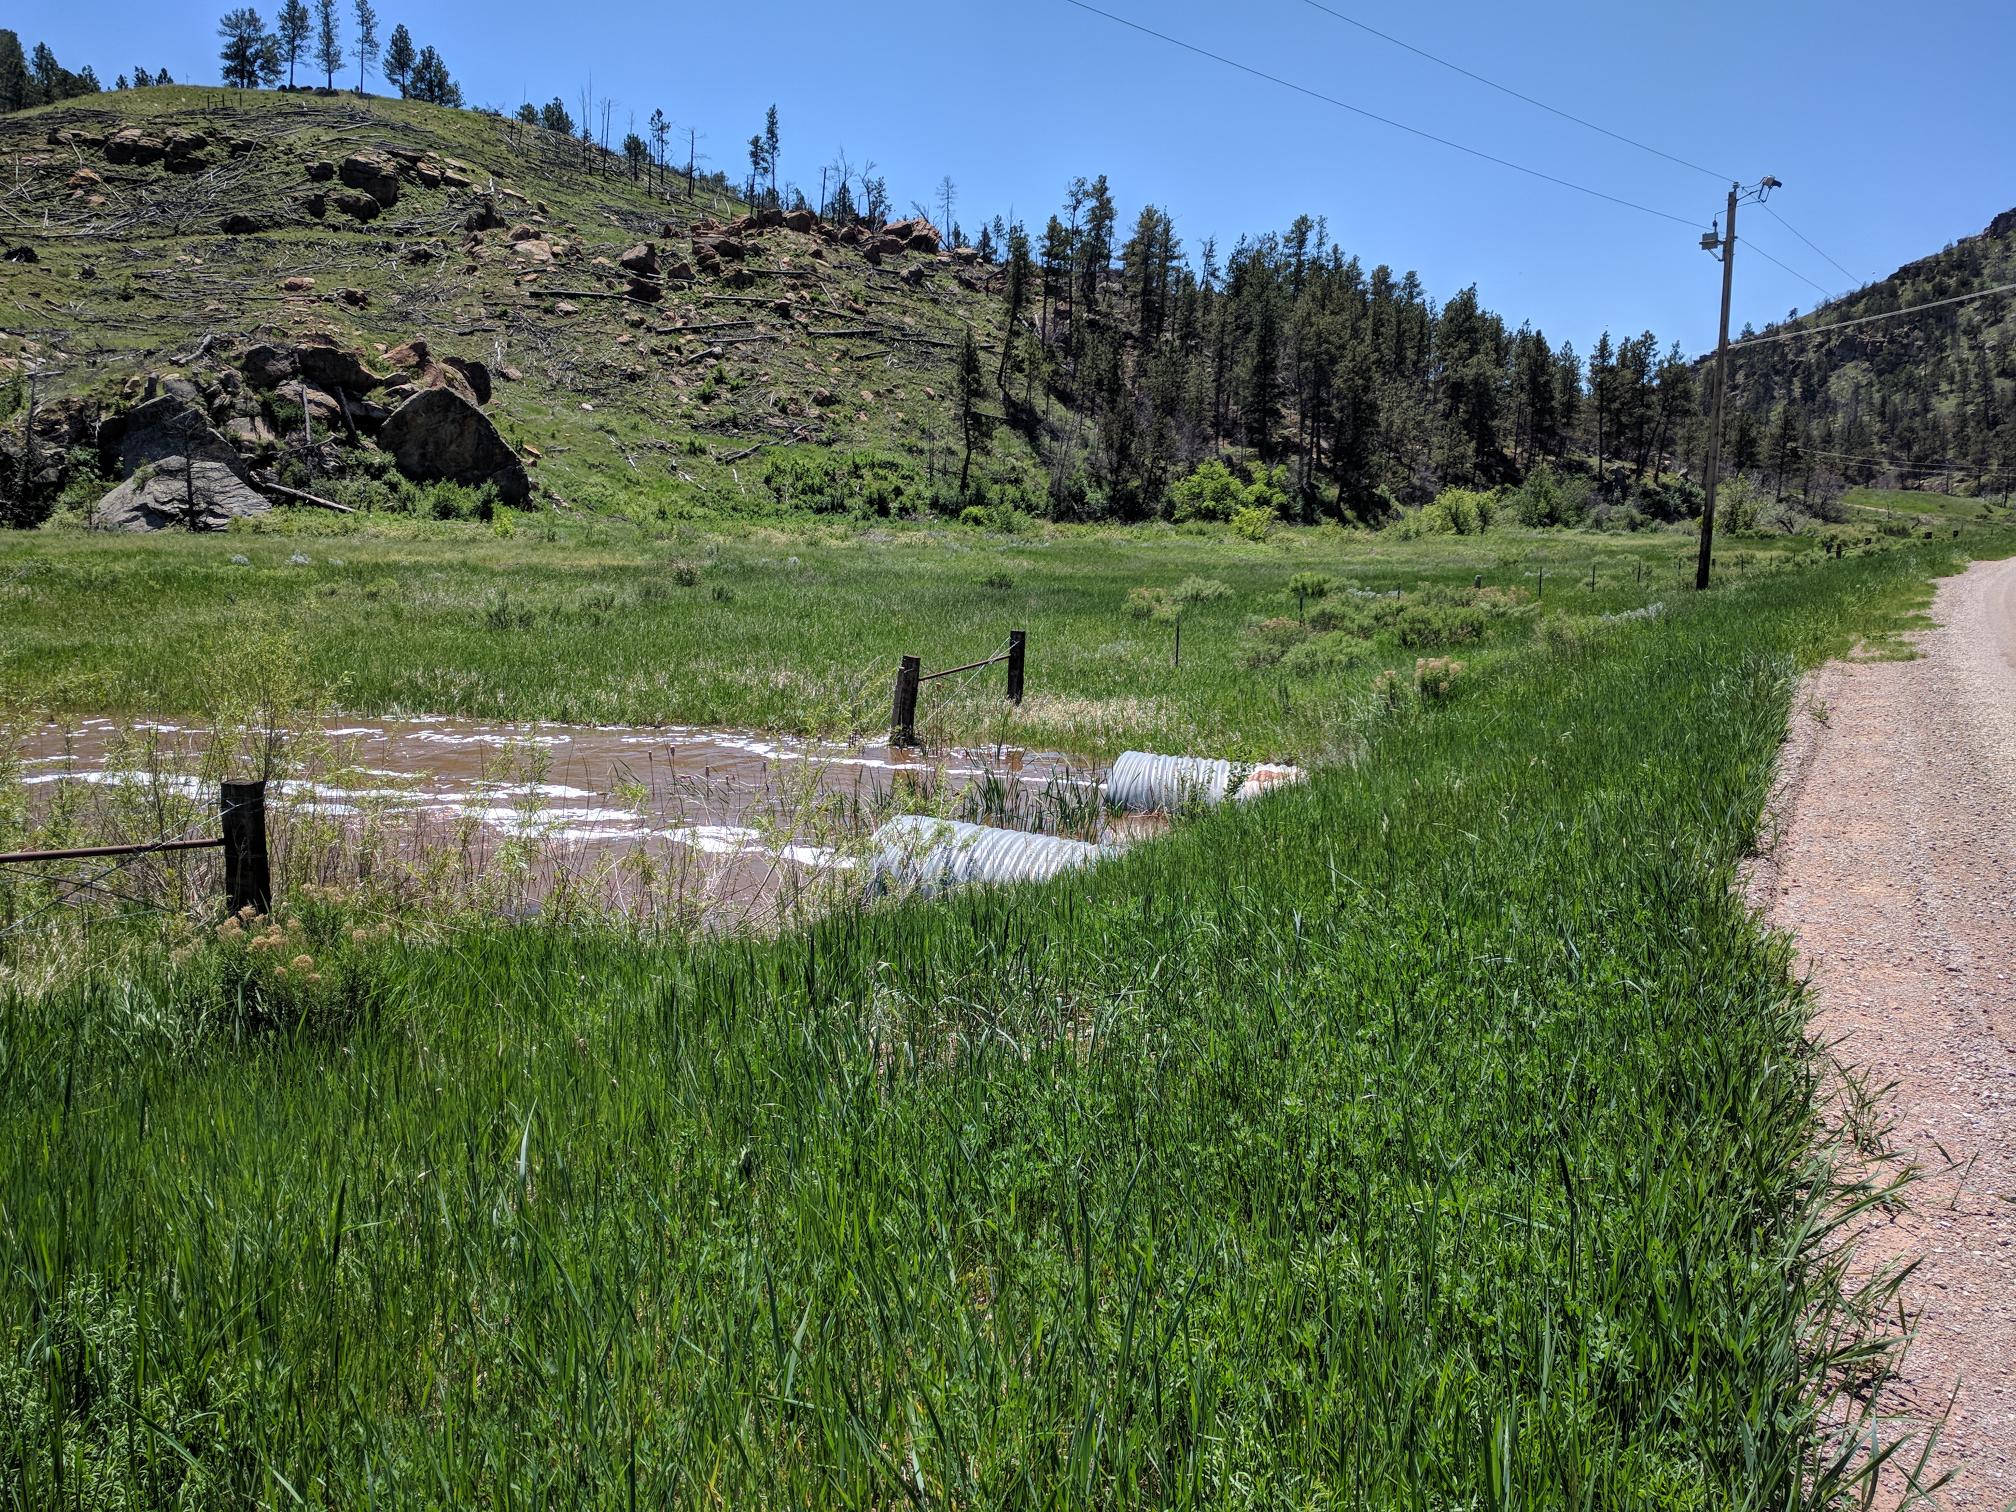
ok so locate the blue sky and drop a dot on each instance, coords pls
(1888, 124)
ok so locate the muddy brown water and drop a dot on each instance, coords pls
(721, 822)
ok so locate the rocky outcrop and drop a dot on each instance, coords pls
(438, 435)
(178, 493)
(374, 173)
(323, 361)
(177, 471)
(163, 427)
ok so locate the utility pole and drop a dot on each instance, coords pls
(1723, 246)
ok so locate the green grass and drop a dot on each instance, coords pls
(1441, 1134)
(1920, 507)
(775, 629)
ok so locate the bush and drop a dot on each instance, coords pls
(1348, 615)
(1310, 585)
(1323, 655)
(1215, 492)
(1547, 498)
(1427, 624)
(1268, 640)
(1252, 524)
(861, 482)
(1458, 511)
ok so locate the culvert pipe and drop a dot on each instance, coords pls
(917, 853)
(1142, 782)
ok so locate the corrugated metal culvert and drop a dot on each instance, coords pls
(1142, 782)
(916, 853)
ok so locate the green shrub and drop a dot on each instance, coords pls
(1268, 640)
(1216, 492)
(1324, 655)
(1349, 615)
(1252, 524)
(1458, 511)
(1547, 498)
(1428, 624)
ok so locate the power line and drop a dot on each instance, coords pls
(1839, 325)
(1824, 292)
(1506, 89)
(1369, 115)
(1899, 465)
(1851, 277)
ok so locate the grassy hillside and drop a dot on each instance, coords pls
(647, 408)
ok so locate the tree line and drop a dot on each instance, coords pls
(254, 56)
(1128, 364)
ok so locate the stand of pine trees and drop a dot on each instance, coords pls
(1129, 365)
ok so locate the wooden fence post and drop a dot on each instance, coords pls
(903, 714)
(1018, 650)
(248, 879)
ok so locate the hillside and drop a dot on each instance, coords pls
(1929, 401)
(162, 234)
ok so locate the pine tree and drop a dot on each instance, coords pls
(367, 41)
(976, 427)
(555, 117)
(13, 73)
(244, 35)
(431, 82)
(1015, 298)
(398, 57)
(770, 149)
(292, 34)
(328, 42)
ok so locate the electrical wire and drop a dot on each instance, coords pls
(1852, 278)
(1903, 466)
(1506, 89)
(1359, 110)
(1842, 325)
(1825, 293)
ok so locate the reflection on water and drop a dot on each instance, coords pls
(720, 825)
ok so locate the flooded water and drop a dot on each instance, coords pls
(712, 822)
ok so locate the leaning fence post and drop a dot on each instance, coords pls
(1018, 649)
(248, 879)
(903, 714)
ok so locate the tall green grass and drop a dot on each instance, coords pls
(1441, 1134)
(768, 629)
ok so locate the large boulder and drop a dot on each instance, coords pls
(473, 373)
(164, 427)
(642, 258)
(134, 146)
(375, 173)
(266, 366)
(357, 204)
(178, 493)
(323, 360)
(437, 435)
(802, 221)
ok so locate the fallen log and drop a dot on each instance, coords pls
(307, 498)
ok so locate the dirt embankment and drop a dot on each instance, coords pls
(1895, 869)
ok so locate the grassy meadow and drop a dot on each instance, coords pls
(1442, 1133)
(799, 629)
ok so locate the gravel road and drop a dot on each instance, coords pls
(1894, 866)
